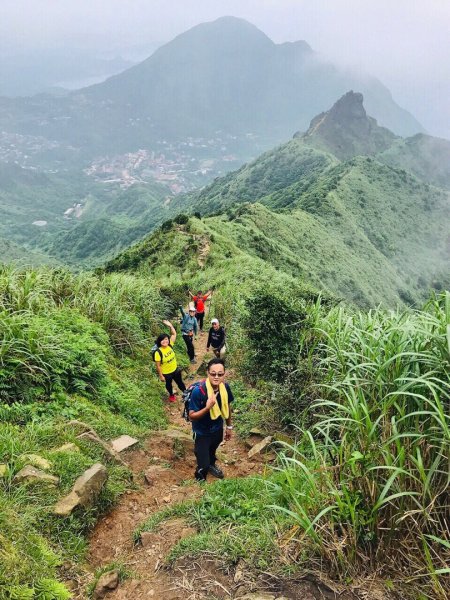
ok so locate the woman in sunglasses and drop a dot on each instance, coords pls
(209, 407)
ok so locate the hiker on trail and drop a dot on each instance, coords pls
(199, 301)
(209, 405)
(166, 361)
(216, 339)
(189, 328)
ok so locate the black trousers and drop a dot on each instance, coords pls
(189, 345)
(205, 451)
(175, 376)
(200, 316)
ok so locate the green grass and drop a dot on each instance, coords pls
(367, 485)
(72, 347)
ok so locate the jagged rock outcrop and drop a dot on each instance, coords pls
(346, 130)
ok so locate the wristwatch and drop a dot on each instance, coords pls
(229, 426)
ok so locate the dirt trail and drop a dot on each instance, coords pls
(111, 541)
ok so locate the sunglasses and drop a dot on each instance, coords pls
(217, 374)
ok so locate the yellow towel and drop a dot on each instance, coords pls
(215, 412)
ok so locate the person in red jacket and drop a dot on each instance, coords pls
(199, 301)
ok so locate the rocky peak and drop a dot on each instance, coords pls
(346, 130)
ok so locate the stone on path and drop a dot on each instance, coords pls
(3, 470)
(146, 539)
(123, 442)
(30, 473)
(107, 582)
(84, 492)
(179, 437)
(151, 474)
(260, 446)
(37, 461)
(65, 506)
(256, 431)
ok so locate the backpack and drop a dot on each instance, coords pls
(156, 349)
(187, 396)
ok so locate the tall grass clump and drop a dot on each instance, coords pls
(368, 487)
(127, 307)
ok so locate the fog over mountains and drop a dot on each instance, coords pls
(222, 78)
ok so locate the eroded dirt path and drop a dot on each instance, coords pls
(171, 465)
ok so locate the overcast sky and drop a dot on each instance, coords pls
(402, 42)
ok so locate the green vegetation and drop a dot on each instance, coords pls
(72, 347)
(365, 490)
(111, 219)
(282, 242)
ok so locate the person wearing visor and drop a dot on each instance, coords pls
(209, 408)
(216, 339)
(189, 328)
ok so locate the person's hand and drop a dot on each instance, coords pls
(207, 348)
(161, 378)
(168, 323)
(211, 401)
(228, 433)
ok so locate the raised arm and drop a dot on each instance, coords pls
(173, 333)
(183, 314)
(191, 294)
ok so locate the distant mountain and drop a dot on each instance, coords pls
(346, 217)
(14, 253)
(220, 78)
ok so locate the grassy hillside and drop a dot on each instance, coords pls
(362, 230)
(109, 224)
(72, 347)
(369, 392)
(289, 164)
(109, 219)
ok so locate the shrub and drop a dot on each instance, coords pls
(181, 219)
(271, 325)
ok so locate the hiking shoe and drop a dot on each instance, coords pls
(216, 472)
(172, 398)
(193, 361)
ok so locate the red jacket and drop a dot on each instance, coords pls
(199, 303)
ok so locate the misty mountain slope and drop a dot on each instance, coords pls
(225, 76)
(426, 156)
(27, 196)
(279, 177)
(11, 252)
(109, 224)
